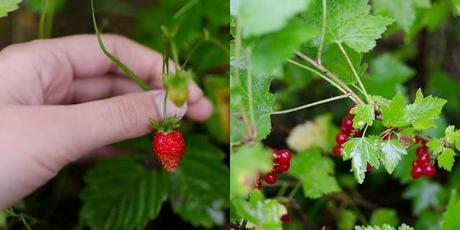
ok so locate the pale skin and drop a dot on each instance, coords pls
(56, 105)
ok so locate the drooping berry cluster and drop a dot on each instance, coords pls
(346, 131)
(423, 165)
(281, 164)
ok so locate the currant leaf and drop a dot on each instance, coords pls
(451, 219)
(446, 159)
(349, 22)
(317, 181)
(362, 151)
(394, 114)
(435, 145)
(424, 111)
(384, 227)
(384, 216)
(453, 136)
(259, 17)
(245, 165)
(364, 115)
(265, 213)
(391, 152)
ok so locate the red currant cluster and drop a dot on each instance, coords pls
(281, 164)
(423, 165)
(346, 131)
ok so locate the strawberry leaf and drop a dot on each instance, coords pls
(199, 188)
(317, 181)
(364, 115)
(362, 151)
(121, 193)
(446, 159)
(391, 152)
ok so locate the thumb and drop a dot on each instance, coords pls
(99, 123)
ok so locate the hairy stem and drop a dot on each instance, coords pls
(369, 100)
(323, 32)
(328, 73)
(312, 104)
(251, 99)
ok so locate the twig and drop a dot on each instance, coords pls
(323, 32)
(311, 104)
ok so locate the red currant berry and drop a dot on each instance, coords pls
(259, 184)
(281, 168)
(347, 123)
(285, 218)
(416, 164)
(417, 172)
(270, 178)
(282, 156)
(425, 158)
(337, 150)
(422, 150)
(429, 170)
(420, 140)
(357, 133)
(341, 138)
(368, 167)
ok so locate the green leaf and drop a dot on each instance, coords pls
(435, 145)
(429, 220)
(199, 188)
(451, 219)
(402, 11)
(446, 159)
(403, 169)
(444, 85)
(216, 88)
(347, 220)
(424, 111)
(244, 167)
(361, 151)
(364, 115)
(339, 66)
(384, 227)
(264, 213)
(394, 114)
(391, 152)
(423, 193)
(259, 17)
(317, 181)
(7, 6)
(384, 216)
(453, 136)
(263, 101)
(349, 22)
(281, 45)
(121, 193)
(385, 81)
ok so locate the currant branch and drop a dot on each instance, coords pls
(311, 104)
(323, 32)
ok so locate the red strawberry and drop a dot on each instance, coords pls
(169, 148)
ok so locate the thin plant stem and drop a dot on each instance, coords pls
(312, 104)
(294, 190)
(369, 100)
(251, 98)
(323, 32)
(43, 19)
(319, 74)
(328, 73)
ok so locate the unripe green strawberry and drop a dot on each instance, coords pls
(177, 86)
(169, 148)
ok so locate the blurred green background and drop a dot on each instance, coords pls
(58, 205)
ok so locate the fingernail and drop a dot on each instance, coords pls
(171, 108)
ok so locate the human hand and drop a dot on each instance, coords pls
(54, 107)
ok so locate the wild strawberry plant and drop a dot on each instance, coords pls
(294, 45)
